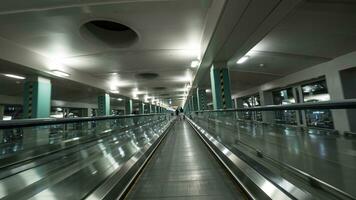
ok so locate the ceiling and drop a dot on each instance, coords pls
(315, 32)
(62, 89)
(280, 38)
(169, 38)
(310, 33)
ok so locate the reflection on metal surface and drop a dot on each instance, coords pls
(303, 157)
(46, 170)
(268, 188)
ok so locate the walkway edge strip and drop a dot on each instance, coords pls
(225, 155)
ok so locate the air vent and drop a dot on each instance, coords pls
(147, 75)
(111, 33)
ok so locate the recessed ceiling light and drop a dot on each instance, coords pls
(195, 64)
(14, 76)
(114, 91)
(119, 99)
(243, 59)
(59, 73)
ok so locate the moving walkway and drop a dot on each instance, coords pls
(114, 157)
(147, 156)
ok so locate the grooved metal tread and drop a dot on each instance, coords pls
(183, 168)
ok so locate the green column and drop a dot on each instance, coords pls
(128, 106)
(104, 105)
(189, 102)
(37, 98)
(150, 108)
(141, 108)
(195, 102)
(220, 87)
(187, 105)
(202, 100)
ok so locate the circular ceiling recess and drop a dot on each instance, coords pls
(111, 33)
(147, 75)
(159, 88)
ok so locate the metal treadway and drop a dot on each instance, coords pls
(183, 168)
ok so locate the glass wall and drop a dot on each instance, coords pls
(251, 102)
(285, 97)
(12, 112)
(317, 92)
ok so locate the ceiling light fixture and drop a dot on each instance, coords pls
(59, 73)
(119, 99)
(115, 91)
(14, 76)
(243, 59)
(195, 64)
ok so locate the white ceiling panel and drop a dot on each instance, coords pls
(169, 38)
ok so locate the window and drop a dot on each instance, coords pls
(285, 97)
(317, 92)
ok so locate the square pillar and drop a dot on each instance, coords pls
(104, 105)
(240, 104)
(266, 99)
(298, 96)
(2, 110)
(194, 102)
(128, 106)
(37, 98)
(85, 112)
(190, 108)
(150, 108)
(233, 101)
(335, 88)
(201, 99)
(220, 86)
(141, 108)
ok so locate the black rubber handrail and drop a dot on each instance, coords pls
(49, 121)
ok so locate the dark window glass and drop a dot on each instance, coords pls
(317, 92)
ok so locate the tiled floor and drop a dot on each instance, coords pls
(183, 168)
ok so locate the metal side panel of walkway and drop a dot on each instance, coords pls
(183, 168)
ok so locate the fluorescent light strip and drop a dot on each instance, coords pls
(114, 91)
(59, 73)
(14, 76)
(243, 59)
(195, 64)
